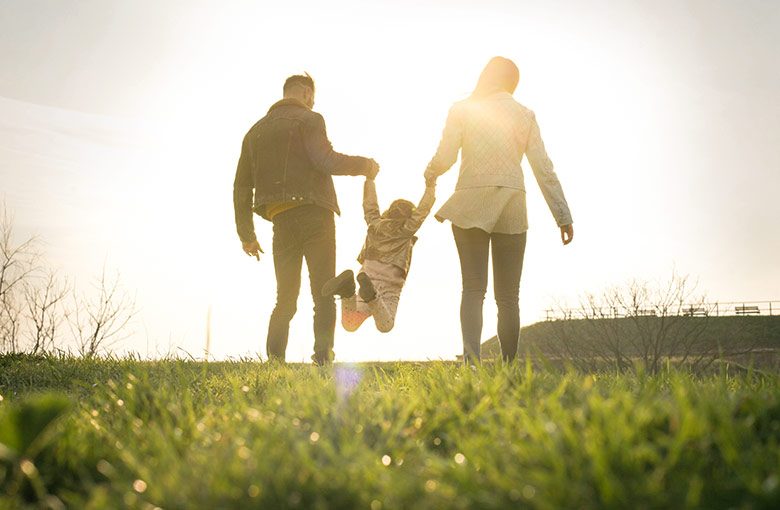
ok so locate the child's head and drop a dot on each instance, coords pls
(399, 210)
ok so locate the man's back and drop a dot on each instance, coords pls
(283, 170)
(287, 159)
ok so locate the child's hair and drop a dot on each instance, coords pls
(399, 210)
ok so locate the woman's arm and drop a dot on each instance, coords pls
(545, 175)
(451, 140)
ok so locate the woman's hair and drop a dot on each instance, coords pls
(499, 75)
(399, 210)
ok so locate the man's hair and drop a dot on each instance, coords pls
(298, 80)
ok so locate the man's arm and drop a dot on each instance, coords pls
(422, 210)
(370, 203)
(243, 195)
(450, 144)
(546, 177)
(328, 161)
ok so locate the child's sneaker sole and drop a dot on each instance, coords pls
(367, 290)
(343, 285)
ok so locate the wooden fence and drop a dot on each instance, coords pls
(717, 309)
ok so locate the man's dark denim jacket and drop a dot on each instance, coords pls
(287, 157)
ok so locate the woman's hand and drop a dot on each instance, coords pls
(567, 233)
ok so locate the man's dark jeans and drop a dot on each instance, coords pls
(307, 231)
(508, 252)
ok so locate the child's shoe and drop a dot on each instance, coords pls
(367, 291)
(343, 285)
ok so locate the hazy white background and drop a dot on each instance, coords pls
(121, 124)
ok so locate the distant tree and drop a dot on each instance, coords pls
(18, 265)
(45, 303)
(34, 303)
(101, 320)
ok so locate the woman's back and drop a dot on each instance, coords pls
(494, 132)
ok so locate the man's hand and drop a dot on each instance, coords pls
(252, 249)
(567, 234)
(373, 169)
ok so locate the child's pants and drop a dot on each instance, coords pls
(388, 281)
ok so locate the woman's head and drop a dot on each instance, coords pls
(499, 75)
(399, 210)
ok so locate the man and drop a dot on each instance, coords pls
(284, 175)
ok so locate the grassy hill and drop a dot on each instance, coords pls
(182, 434)
(725, 334)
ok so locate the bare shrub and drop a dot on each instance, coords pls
(640, 325)
(18, 265)
(45, 306)
(10, 323)
(34, 303)
(99, 321)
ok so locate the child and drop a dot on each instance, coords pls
(386, 255)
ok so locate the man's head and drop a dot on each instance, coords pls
(399, 210)
(300, 87)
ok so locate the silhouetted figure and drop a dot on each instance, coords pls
(488, 208)
(284, 175)
(385, 258)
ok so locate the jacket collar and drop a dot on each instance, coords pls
(498, 94)
(288, 102)
(502, 94)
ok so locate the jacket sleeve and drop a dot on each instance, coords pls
(451, 141)
(545, 175)
(422, 211)
(370, 203)
(322, 155)
(243, 194)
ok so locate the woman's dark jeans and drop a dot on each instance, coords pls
(306, 232)
(508, 251)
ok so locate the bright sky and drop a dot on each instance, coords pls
(121, 124)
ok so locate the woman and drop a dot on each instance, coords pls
(488, 207)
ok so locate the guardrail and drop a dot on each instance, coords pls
(717, 309)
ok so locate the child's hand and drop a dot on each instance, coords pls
(373, 170)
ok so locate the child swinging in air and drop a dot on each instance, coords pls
(385, 257)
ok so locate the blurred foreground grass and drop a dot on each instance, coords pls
(182, 434)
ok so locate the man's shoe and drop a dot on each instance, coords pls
(323, 360)
(275, 360)
(343, 285)
(367, 290)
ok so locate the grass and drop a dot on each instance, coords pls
(182, 434)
